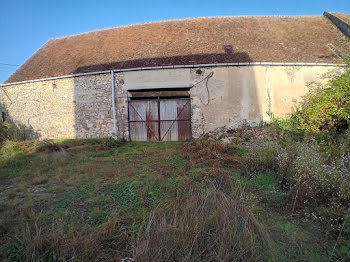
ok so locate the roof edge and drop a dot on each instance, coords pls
(171, 67)
(342, 25)
(183, 19)
(28, 59)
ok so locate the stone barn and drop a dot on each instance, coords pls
(173, 80)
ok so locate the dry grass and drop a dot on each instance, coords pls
(149, 201)
(189, 41)
(212, 153)
(203, 225)
(86, 243)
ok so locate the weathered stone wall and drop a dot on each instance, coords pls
(41, 109)
(232, 96)
(220, 97)
(65, 108)
(93, 106)
(121, 106)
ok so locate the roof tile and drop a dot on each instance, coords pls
(189, 41)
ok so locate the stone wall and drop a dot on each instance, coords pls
(76, 107)
(232, 96)
(220, 97)
(41, 109)
(93, 106)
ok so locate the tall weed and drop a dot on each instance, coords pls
(202, 225)
(306, 170)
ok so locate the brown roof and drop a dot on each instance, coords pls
(188, 41)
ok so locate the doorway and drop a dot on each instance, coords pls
(160, 115)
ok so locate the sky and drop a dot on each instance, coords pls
(26, 25)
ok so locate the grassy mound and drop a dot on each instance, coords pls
(99, 200)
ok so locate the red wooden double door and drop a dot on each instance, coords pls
(160, 119)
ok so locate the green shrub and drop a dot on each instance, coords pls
(314, 179)
(326, 109)
(290, 124)
(314, 165)
(345, 141)
(267, 155)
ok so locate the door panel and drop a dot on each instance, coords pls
(160, 120)
(168, 131)
(144, 131)
(143, 110)
(184, 130)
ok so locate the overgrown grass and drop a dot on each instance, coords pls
(103, 200)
